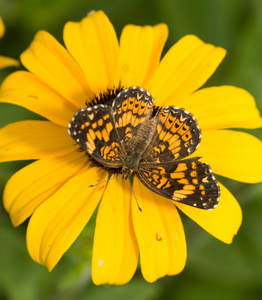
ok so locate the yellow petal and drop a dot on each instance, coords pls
(222, 222)
(140, 50)
(8, 62)
(27, 90)
(232, 154)
(2, 28)
(222, 107)
(115, 250)
(50, 61)
(93, 44)
(33, 184)
(34, 140)
(159, 233)
(57, 222)
(184, 69)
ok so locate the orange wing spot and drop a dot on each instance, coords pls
(157, 150)
(167, 185)
(100, 122)
(169, 122)
(155, 177)
(124, 119)
(146, 174)
(163, 181)
(195, 181)
(187, 136)
(98, 134)
(201, 187)
(105, 135)
(87, 124)
(181, 167)
(91, 116)
(128, 117)
(203, 193)
(174, 146)
(193, 174)
(133, 119)
(105, 150)
(90, 144)
(128, 130)
(161, 170)
(162, 117)
(94, 125)
(174, 138)
(176, 175)
(92, 134)
(159, 128)
(83, 126)
(183, 129)
(189, 187)
(105, 117)
(194, 166)
(124, 105)
(167, 136)
(185, 192)
(162, 135)
(177, 196)
(120, 123)
(176, 126)
(183, 181)
(131, 103)
(109, 127)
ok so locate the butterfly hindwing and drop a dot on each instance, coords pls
(93, 129)
(188, 181)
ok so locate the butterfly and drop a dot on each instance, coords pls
(132, 136)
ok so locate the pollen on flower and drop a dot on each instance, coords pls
(100, 262)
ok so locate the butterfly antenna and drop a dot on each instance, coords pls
(134, 194)
(92, 185)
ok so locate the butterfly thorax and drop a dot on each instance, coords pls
(138, 145)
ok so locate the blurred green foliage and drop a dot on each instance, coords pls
(214, 270)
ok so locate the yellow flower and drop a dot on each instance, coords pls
(54, 190)
(6, 61)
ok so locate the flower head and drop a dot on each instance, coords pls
(6, 61)
(53, 191)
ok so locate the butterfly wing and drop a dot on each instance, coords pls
(131, 108)
(177, 136)
(187, 181)
(94, 130)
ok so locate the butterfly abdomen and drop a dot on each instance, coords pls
(140, 142)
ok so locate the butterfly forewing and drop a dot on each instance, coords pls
(188, 181)
(177, 136)
(94, 130)
(131, 108)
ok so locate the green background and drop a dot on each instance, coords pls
(214, 270)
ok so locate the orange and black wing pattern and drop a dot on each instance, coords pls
(131, 108)
(188, 181)
(177, 136)
(94, 130)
